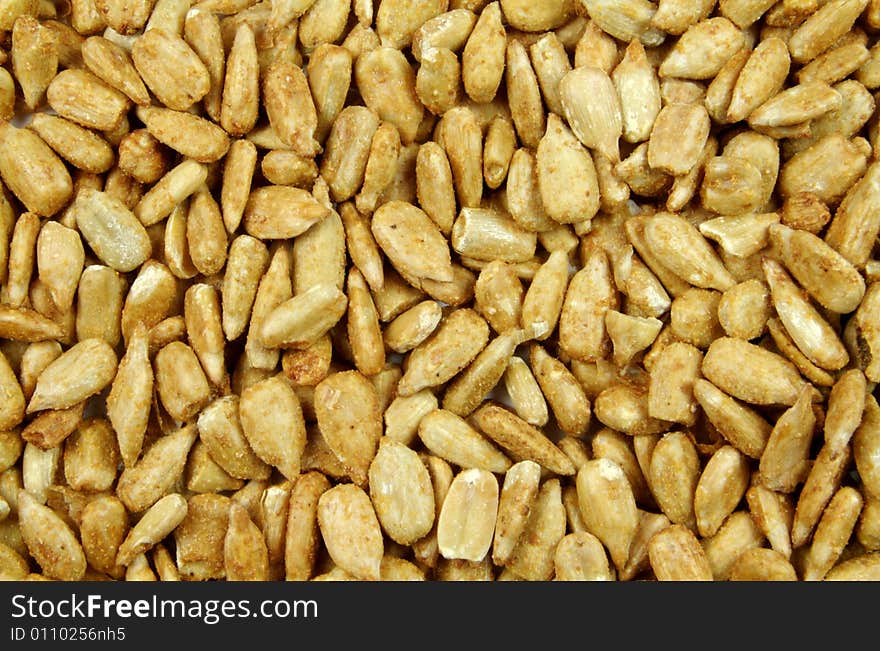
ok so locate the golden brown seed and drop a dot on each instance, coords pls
(412, 241)
(150, 299)
(274, 289)
(404, 414)
(744, 309)
(670, 392)
(702, 49)
(300, 321)
(290, 107)
(624, 407)
(203, 475)
(100, 297)
(823, 28)
(676, 17)
(170, 69)
(543, 302)
(318, 255)
(34, 58)
(190, 135)
(824, 478)
(518, 495)
(608, 507)
(862, 330)
(467, 391)
(761, 77)
(281, 212)
(830, 169)
(638, 562)
(113, 64)
(238, 170)
(401, 491)
(323, 22)
(626, 21)
(220, 429)
(91, 456)
(81, 147)
(485, 234)
(22, 259)
(832, 532)
(49, 428)
(180, 381)
(434, 185)
(466, 521)
(866, 526)
(464, 152)
(795, 105)
(686, 252)
(581, 557)
(778, 381)
(173, 188)
(351, 531)
(722, 485)
(60, 257)
(483, 55)
(50, 541)
(381, 166)
(533, 557)
(811, 333)
(438, 80)
(673, 149)
(737, 535)
(453, 439)
(413, 326)
(239, 106)
(743, 427)
(272, 422)
(864, 443)
(103, 526)
(590, 294)
(205, 233)
(39, 469)
(784, 461)
(453, 345)
(244, 549)
(823, 272)
(394, 101)
(349, 416)
(619, 448)
(673, 476)
(159, 521)
(329, 73)
(762, 565)
(7, 95)
(567, 179)
(520, 439)
(525, 392)
(524, 97)
(199, 538)
(111, 230)
(84, 98)
(597, 123)
(32, 171)
(858, 568)
(34, 360)
(563, 392)
(301, 541)
(62, 384)
(845, 408)
(676, 555)
(246, 262)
